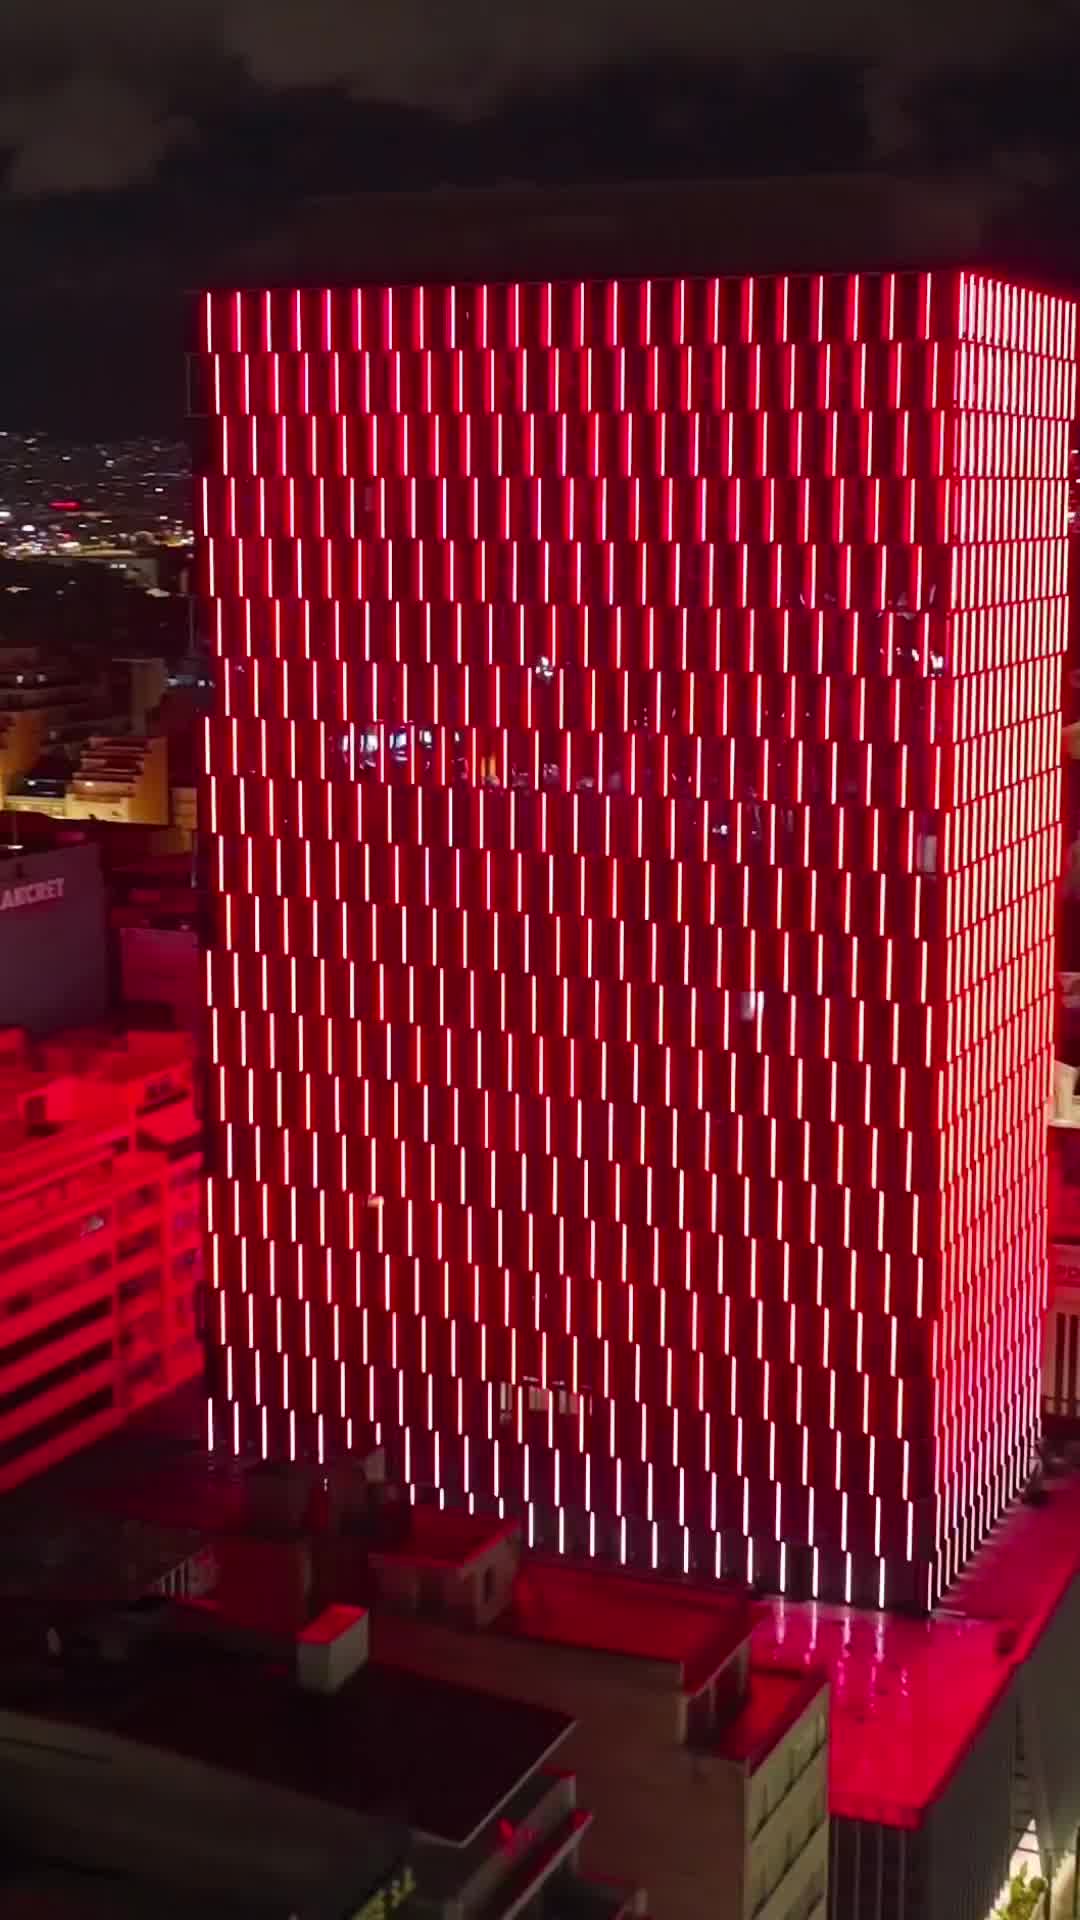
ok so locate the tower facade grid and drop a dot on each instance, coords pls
(633, 790)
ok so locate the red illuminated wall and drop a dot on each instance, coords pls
(634, 789)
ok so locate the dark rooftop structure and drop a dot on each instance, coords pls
(48, 1892)
(389, 1742)
(63, 1564)
(815, 224)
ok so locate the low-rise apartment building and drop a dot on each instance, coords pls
(101, 1221)
(708, 1775)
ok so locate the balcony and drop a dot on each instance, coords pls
(472, 1876)
(60, 1257)
(526, 1885)
(522, 1865)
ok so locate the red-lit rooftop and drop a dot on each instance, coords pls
(909, 1697)
(329, 1625)
(446, 1539)
(118, 1057)
(659, 1621)
(1023, 1571)
(171, 1127)
(775, 1699)
(612, 1613)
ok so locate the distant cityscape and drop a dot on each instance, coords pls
(70, 499)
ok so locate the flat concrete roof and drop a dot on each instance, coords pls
(910, 1697)
(609, 1612)
(54, 1893)
(1023, 1571)
(63, 1564)
(389, 1740)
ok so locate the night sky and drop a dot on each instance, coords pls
(140, 138)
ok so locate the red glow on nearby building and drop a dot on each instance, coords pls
(634, 789)
(100, 1237)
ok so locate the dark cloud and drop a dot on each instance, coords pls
(434, 53)
(94, 93)
(87, 88)
(89, 129)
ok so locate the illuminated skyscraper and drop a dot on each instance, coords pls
(634, 787)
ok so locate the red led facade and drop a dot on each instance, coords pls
(634, 795)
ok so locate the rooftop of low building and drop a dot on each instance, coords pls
(388, 1741)
(119, 1054)
(61, 1561)
(775, 1699)
(610, 1611)
(49, 1892)
(32, 839)
(442, 1537)
(908, 1696)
